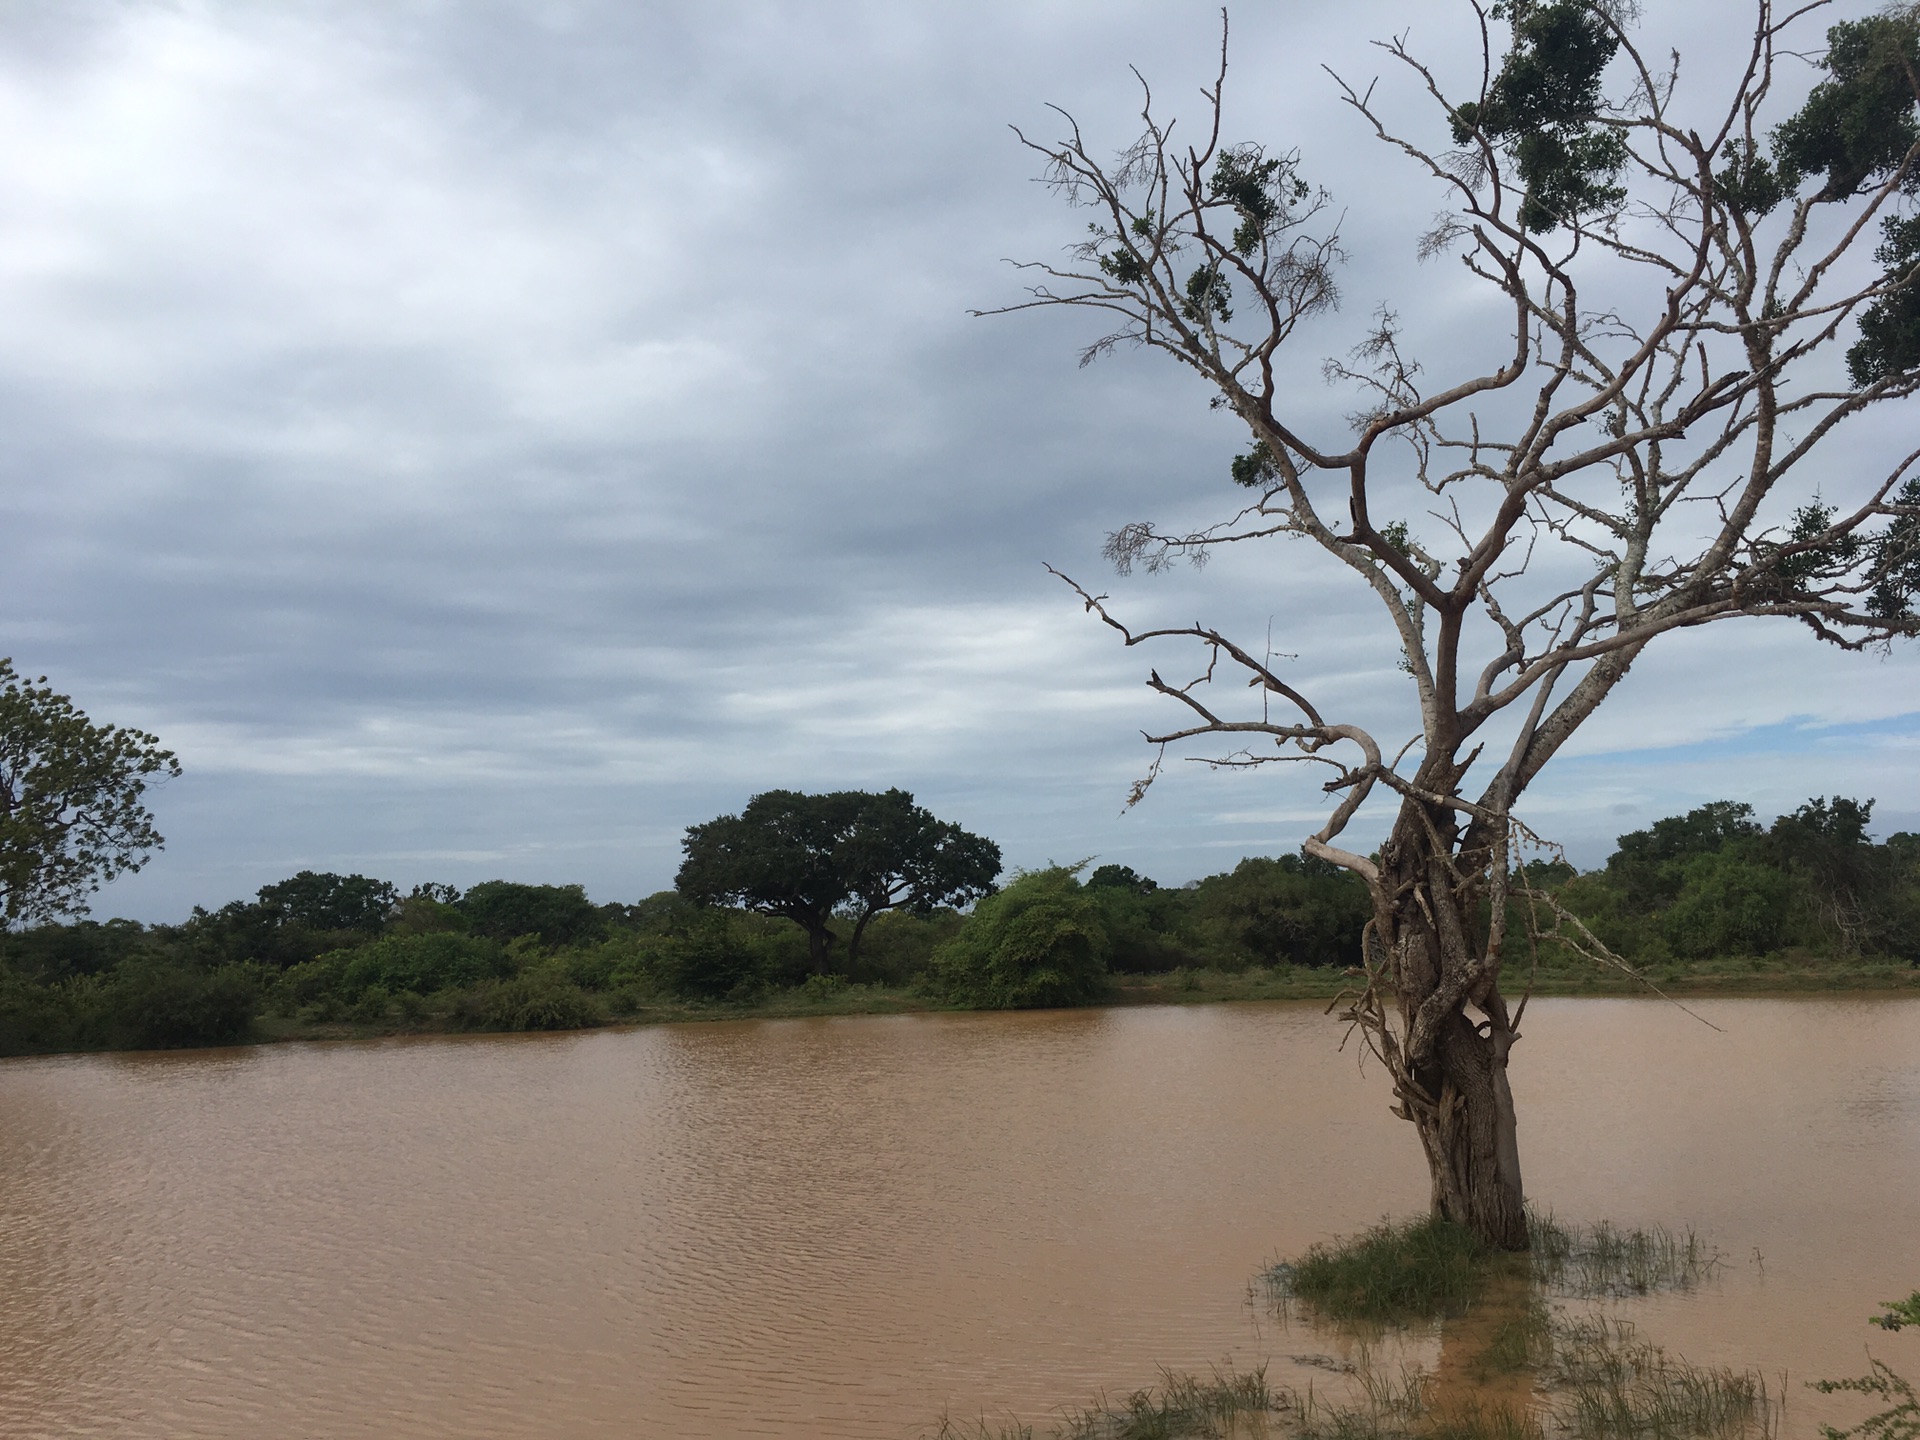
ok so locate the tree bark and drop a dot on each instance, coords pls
(819, 943)
(1449, 1069)
(1472, 1141)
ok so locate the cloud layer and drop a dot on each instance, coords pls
(486, 439)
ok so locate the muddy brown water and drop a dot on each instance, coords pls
(843, 1228)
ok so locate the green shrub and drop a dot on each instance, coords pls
(542, 999)
(311, 985)
(1143, 924)
(156, 1006)
(1294, 910)
(372, 1008)
(37, 1019)
(898, 946)
(1728, 905)
(423, 964)
(558, 914)
(1039, 942)
(707, 963)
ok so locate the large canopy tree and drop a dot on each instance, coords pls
(1687, 308)
(72, 813)
(806, 857)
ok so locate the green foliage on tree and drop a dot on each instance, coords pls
(1714, 883)
(72, 807)
(1037, 943)
(324, 901)
(806, 857)
(557, 914)
(898, 855)
(1898, 1314)
(1728, 905)
(1293, 910)
(1857, 126)
(1543, 110)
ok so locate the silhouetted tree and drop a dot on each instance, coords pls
(321, 900)
(899, 855)
(804, 857)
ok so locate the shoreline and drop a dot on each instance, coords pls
(1203, 987)
(1179, 987)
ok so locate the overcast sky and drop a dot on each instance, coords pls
(484, 439)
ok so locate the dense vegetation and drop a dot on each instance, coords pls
(1714, 884)
(334, 954)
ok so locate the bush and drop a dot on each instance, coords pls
(1296, 910)
(36, 1019)
(152, 1006)
(897, 947)
(558, 914)
(420, 963)
(1729, 905)
(1039, 942)
(709, 962)
(1144, 926)
(541, 999)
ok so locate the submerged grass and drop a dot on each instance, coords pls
(1398, 1272)
(1610, 1384)
(1408, 1272)
(1180, 1407)
(1606, 1261)
(1513, 1366)
(1603, 1382)
(1592, 1378)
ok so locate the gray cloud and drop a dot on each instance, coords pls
(486, 439)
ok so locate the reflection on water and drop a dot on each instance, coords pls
(845, 1227)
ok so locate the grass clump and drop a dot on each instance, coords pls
(1603, 1383)
(1180, 1407)
(1407, 1407)
(1398, 1272)
(1405, 1272)
(1610, 1384)
(1606, 1261)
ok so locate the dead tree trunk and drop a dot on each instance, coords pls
(1434, 957)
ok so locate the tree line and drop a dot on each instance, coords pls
(1715, 883)
(321, 950)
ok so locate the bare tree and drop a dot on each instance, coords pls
(1631, 465)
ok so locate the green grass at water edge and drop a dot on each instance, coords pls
(1397, 1272)
(1180, 1407)
(1604, 1260)
(1602, 1381)
(1607, 1383)
(1412, 1271)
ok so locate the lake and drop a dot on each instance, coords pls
(844, 1227)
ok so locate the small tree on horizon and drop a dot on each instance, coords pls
(807, 857)
(1694, 305)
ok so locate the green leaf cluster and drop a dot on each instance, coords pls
(1543, 110)
(72, 800)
